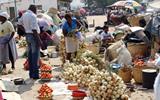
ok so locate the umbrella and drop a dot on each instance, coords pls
(46, 17)
(127, 3)
(119, 3)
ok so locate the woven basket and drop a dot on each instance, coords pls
(137, 73)
(137, 49)
(125, 74)
(134, 20)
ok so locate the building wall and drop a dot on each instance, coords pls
(24, 4)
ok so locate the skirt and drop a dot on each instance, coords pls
(71, 44)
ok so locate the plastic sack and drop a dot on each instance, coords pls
(124, 56)
(157, 63)
(79, 35)
(111, 52)
(157, 87)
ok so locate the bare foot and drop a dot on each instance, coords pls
(10, 71)
(4, 71)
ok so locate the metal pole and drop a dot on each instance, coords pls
(15, 6)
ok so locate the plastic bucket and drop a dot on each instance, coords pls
(148, 77)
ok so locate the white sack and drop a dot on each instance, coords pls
(124, 56)
(157, 87)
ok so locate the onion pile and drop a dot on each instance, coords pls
(107, 86)
(103, 85)
(79, 73)
(89, 58)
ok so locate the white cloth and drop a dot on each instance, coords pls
(4, 14)
(29, 22)
(43, 23)
(104, 35)
(4, 51)
(72, 44)
(157, 87)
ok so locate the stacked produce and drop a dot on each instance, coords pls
(89, 58)
(46, 72)
(45, 92)
(139, 63)
(103, 85)
(46, 75)
(79, 73)
(22, 43)
(107, 86)
(45, 68)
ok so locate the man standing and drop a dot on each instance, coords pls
(30, 24)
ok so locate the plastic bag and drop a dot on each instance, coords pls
(157, 87)
(124, 56)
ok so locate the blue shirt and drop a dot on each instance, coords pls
(70, 28)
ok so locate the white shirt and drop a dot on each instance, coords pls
(29, 22)
(105, 36)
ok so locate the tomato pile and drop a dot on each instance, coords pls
(45, 92)
(46, 75)
(139, 63)
(46, 72)
(45, 67)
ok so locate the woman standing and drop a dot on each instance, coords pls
(8, 51)
(70, 34)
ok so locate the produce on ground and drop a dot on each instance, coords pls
(46, 75)
(103, 85)
(107, 86)
(89, 58)
(79, 73)
(45, 92)
(45, 67)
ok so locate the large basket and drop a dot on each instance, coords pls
(137, 49)
(134, 20)
(137, 73)
(125, 74)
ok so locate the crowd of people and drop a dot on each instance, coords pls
(38, 31)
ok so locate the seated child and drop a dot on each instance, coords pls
(106, 37)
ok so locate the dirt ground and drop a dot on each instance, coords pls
(29, 90)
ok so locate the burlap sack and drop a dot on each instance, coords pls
(111, 52)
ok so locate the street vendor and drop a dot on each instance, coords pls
(70, 32)
(106, 37)
(8, 51)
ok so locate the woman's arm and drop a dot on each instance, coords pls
(64, 32)
(79, 25)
